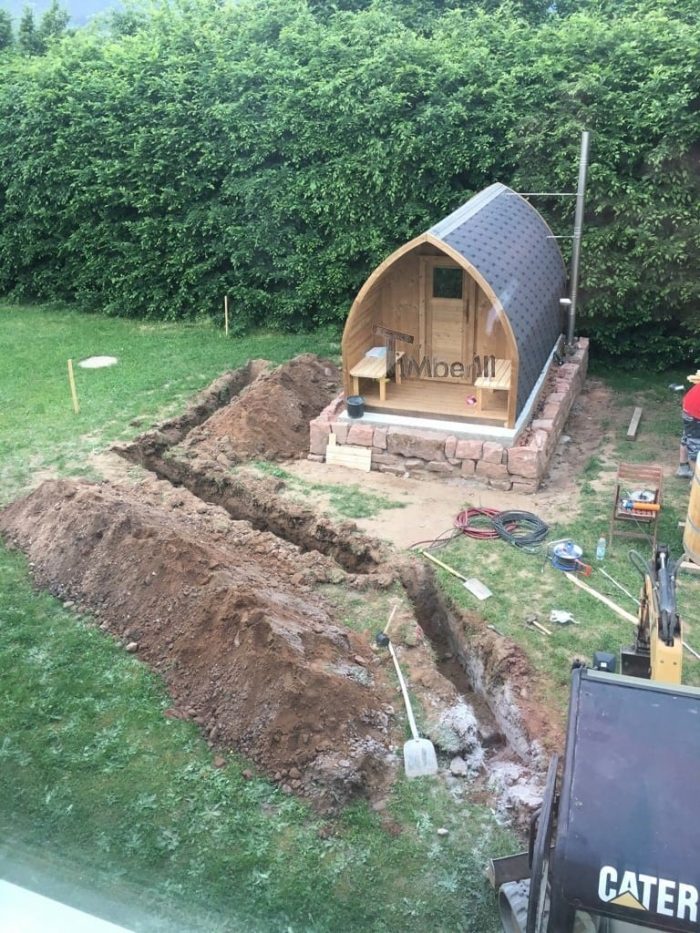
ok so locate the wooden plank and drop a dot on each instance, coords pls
(603, 599)
(513, 394)
(634, 424)
(635, 472)
(501, 380)
(690, 567)
(370, 367)
(691, 650)
(422, 330)
(348, 455)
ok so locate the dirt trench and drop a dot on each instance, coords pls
(217, 586)
(494, 671)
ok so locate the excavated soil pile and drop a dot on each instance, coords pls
(228, 616)
(270, 418)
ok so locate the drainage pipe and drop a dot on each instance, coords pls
(578, 228)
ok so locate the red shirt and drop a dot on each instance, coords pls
(691, 402)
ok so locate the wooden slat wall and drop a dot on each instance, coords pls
(360, 339)
(398, 308)
(490, 337)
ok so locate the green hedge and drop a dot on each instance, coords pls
(277, 150)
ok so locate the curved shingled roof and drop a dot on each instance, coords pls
(506, 240)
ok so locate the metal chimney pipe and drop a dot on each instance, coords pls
(578, 229)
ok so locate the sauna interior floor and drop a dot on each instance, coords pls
(418, 397)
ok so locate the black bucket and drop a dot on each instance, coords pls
(356, 406)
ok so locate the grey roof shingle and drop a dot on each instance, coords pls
(506, 240)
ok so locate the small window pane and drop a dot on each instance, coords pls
(447, 283)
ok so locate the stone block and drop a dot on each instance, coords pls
(492, 452)
(542, 439)
(427, 445)
(469, 450)
(504, 484)
(491, 470)
(453, 461)
(390, 468)
(450, 447)
(333, 409)
(414, 463)
(318, 436)
(380, 437)
(551, 412)
(525, 485)
(468, 467)
(317, 458)
(568, 372)
(381, 456)
(440, 466)
(525, 461)
(543, 424)
(361, 434)
(340, 429)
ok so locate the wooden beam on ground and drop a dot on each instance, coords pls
(690, 566)
(603, 599)
(691, 650)
(634, 424)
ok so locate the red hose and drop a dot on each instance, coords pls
(465, 519)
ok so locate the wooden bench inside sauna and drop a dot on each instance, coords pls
(459, 323)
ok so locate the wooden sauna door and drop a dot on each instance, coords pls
(448, 323)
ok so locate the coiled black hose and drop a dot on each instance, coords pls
(521, 529)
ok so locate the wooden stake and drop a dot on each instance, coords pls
(226, 315)
(603, 599)
(73, 391)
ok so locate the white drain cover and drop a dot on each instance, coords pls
(98, 362)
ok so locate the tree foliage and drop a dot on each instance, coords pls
(276, 150)
(6, 34)
(53, 23)
(28, 38)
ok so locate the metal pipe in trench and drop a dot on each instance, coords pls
(578, 229)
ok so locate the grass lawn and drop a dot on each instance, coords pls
(110, 805)
(160, 366)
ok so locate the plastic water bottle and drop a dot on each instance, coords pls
(600, 548)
